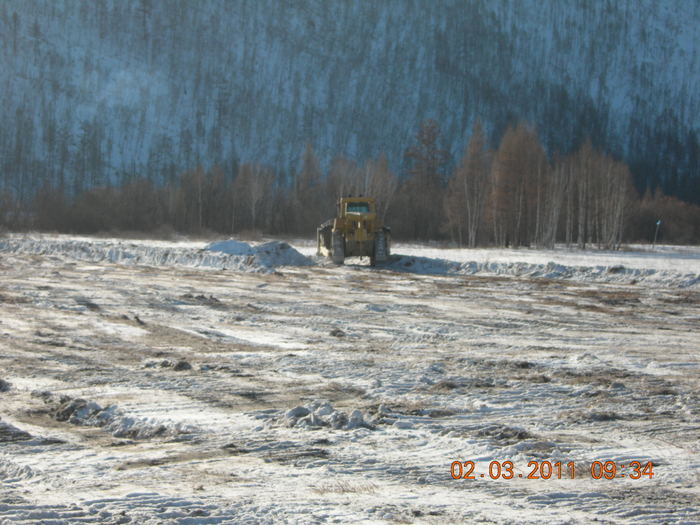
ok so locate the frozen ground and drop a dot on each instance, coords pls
(159, 382)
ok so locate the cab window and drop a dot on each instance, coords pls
(357, 207)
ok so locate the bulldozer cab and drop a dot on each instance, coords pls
(356, 206)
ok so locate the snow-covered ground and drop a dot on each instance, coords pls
(183, 382)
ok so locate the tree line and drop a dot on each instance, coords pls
(512, 195)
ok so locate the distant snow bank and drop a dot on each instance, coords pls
(225, 255)
(672, 266)
(551, 270)
(662, 258)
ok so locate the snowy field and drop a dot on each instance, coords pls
(175, 382)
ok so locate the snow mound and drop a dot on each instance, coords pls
(88, 413)
(12, 472)
(268, 255)
(279, 253)
(231, 247)
(320, 413)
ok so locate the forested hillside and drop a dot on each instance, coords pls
(98, 93)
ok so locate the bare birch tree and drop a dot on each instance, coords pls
(468, 189)
(425, 187)
(519, 172)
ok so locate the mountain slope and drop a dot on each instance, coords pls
(93, 90)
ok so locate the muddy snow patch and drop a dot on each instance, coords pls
(10, 434)
(112, 419)
(421, 265)
(503, 434)
(177, 365)
(320, 413)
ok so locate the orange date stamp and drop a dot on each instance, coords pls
(554, 470)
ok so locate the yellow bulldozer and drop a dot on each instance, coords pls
(356, 231)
